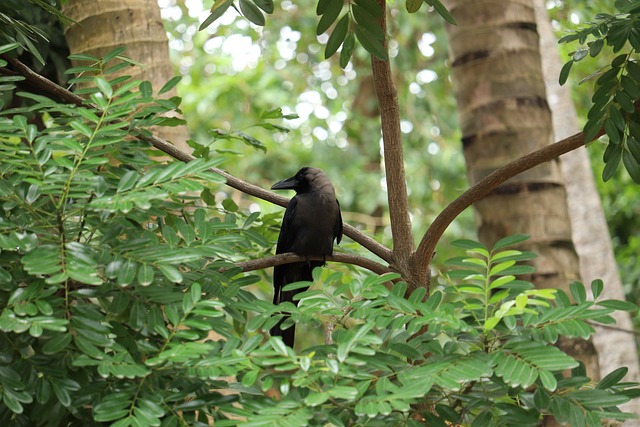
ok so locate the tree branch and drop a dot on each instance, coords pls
(403, 244)
(486, 185)
(290, 257)
(47, 86)
(613, 328)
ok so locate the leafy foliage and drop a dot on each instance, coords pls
(110, 262)
(617, 86)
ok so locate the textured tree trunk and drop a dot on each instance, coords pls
(590, 233)
(104, 25)
(497, 76)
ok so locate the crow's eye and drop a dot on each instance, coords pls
(301, 174)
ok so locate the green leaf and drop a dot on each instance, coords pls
(217, 10)
(329, 16)
(625, 102)
(614, 155)
(113, 407)
(146, 90)
(5, 276)
(315, 399)
(618, 305)
(322, 6)
(81, 127)
(541, 399)
(469, 244)
(8, 47)
(564, 72)
(12, 403)
(598, 398)
(343, 392)
(127, 273)
(146, 275)
(498, 268)
(367, 21)
(630, 87)
(510, 241)
(612, 378)
(61, 392)
(347, 50)
(266, 5)
(413, 5)
(371, 43)
(595, 47)
(113, 53)
(104, 87)
(631, 165)
(612, 131)
(578, 292)
(634, 70)
(371, 6)
(196, 292)
(252, 12)
(337, 36)
(548, 380)
(491, 323)
(57, 343)
(634, 147)
(173, 81)
(442, 11)
(171, 273)
(579, 54)
(230, 205)
(591, 129)
(597, 286)
(617, 118)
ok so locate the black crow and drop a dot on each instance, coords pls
(311, 221)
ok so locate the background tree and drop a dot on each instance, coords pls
(497, 74)
(99, 27)
(588, 223)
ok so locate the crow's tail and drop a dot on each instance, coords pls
(283, 275)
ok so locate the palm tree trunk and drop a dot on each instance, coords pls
(590, 232)
(107, 24)
(500, 92)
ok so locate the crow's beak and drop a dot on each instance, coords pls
(286, 184)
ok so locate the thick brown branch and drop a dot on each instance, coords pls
(47, 86)
(403, 243)
(290, 257)
(486, 185)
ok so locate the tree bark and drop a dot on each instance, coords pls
(104, 25)
(590, 232)
(416, 275)
(504, 114)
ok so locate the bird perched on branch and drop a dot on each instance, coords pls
(311, 222)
